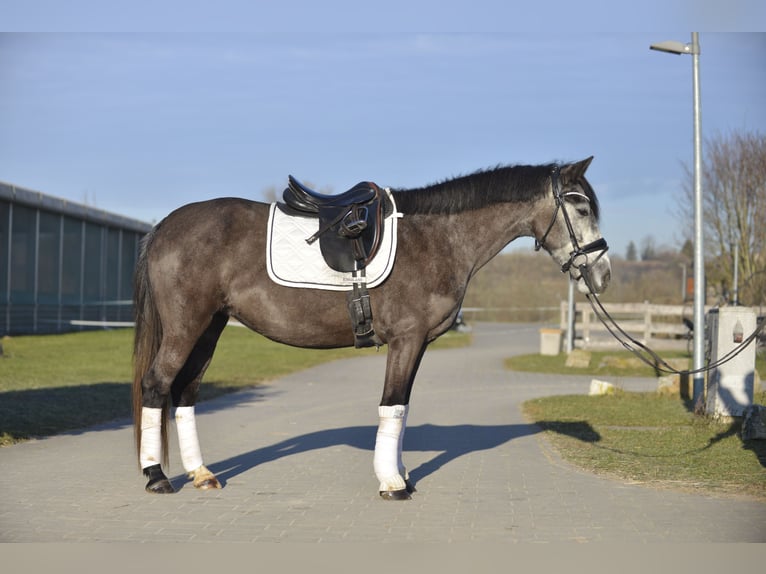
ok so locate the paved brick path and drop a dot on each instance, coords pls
(296, 461)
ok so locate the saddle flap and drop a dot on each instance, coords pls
(347, 249)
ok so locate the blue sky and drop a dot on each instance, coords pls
(141, 123)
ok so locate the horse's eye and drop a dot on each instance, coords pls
(582, 208)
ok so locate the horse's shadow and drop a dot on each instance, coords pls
(451, 442)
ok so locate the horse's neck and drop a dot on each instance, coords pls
(476, 236)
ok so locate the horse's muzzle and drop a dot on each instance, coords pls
(594, 277)
(590, 266)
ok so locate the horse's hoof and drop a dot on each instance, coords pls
(161, 486)
(208, 484)
(158, 482)
(203, 479)
(395, 494)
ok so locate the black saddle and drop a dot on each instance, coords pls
(300, 197)
(350, 224)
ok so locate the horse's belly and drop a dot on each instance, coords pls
(301, 322)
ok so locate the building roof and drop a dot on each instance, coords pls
(36, 199)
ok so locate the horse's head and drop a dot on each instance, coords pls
(568, 228)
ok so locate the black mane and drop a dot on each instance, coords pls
(520, 183)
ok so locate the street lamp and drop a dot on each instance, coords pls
(674, 47)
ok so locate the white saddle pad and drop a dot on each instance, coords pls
(292, 262)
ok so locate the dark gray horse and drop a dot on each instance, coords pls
(206, 262)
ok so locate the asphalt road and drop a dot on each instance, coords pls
(295, 459)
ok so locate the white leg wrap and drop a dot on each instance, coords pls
(387, 460)
(151, 437)
(186, 424)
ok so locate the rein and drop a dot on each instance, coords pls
(657, 362)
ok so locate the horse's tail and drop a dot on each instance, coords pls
(146, 343)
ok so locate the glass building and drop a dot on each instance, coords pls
(63, 266)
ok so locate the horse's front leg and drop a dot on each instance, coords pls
(404, 357)
(387, 461)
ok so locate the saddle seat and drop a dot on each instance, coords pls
(304, 199)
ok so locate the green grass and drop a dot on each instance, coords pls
(602, 363)
(58, 383)
(652, 439)
(645, 437)
(607, 363)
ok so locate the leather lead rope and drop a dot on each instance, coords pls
(657, 362)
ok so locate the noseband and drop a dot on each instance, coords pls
(577, 251)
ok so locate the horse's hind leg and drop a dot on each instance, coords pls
(176, 360)
(191, 454)
(156, 385)
(184, 394)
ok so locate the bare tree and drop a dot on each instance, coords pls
(734, 208)
(631, 252)
(271, 194)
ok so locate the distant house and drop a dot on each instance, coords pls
(63, 266)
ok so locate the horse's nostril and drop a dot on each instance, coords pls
(606, 278)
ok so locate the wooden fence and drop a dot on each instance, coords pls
(656, 325)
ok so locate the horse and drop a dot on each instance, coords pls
(206, 263)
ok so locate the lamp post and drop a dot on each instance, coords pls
(674, 47)
(570, 317)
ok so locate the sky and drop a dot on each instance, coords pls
(140, 123)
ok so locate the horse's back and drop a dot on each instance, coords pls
(218, 219)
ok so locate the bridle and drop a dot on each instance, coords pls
(599, 245)
(639, 349)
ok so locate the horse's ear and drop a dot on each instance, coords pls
(575, 171)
